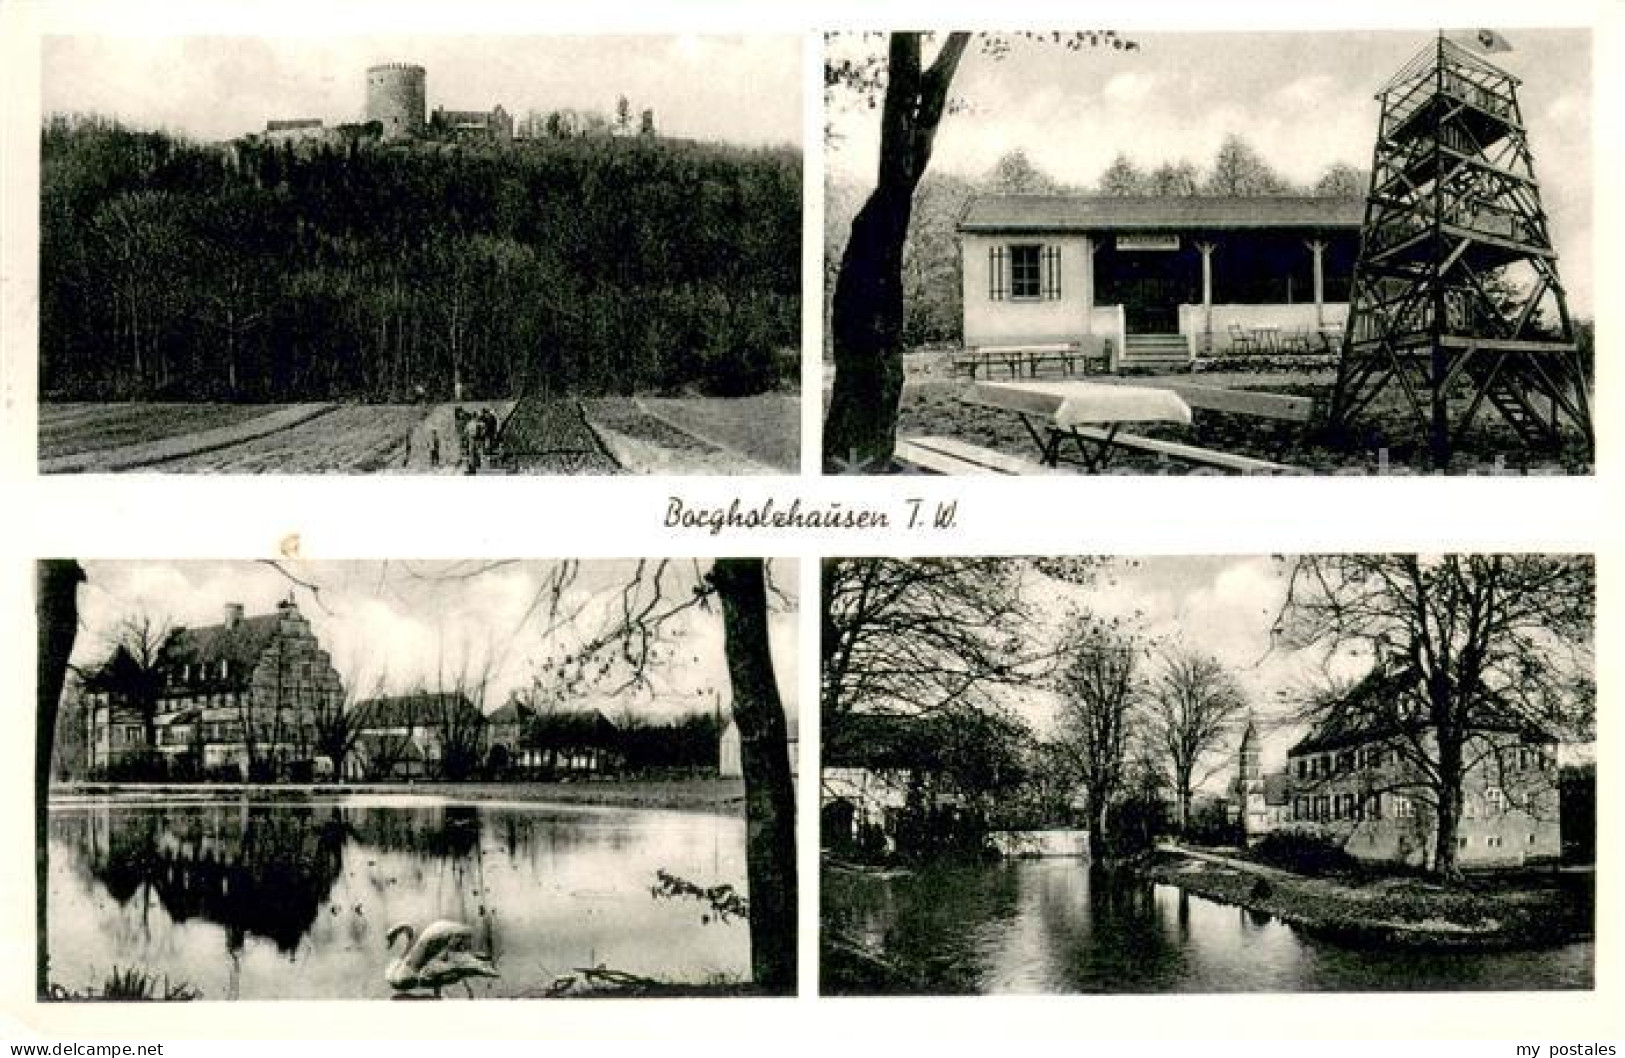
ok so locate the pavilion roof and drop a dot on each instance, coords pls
(1087, 213)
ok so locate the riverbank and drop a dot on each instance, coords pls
(704, 795)
(1491, 912)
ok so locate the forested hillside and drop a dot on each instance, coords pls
(258, 272)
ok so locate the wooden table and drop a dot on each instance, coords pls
(1052, 412)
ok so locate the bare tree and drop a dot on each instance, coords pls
(138, 645)
(924, 635)
(337, 724)
(1101, 692)
(1192, 705)
(1464, 646)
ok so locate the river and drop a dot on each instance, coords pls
(258, 899)
(1050, 926)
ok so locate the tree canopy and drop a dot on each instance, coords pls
(264, 271)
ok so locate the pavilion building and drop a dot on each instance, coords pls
(1155, 281)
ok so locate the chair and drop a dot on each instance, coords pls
(1241, 341)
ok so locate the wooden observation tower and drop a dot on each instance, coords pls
(1456, 298)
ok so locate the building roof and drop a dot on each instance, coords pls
(1277, 788)
(119, 672)
(417, 710)
(287, 124)
(579, 726)
(240, 643)
(1367, 714)
(1085, 213)
(1357, 717)
(376, 747)
(510, 712)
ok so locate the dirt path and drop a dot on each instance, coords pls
(168, 449)
(440, 424)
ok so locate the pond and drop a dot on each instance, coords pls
(1036, 926)
(260, 899)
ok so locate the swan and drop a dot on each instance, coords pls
(437, 957)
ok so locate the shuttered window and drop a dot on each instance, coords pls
(1026, 279)
(1024, 272)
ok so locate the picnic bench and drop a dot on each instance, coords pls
(1025, 360)
(1086, 416)
(949, 455)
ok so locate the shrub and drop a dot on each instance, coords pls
(1304, 853)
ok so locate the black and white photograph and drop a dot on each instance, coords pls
(1316, 773)
(1351, 252)
(416, 780)
(433, 255)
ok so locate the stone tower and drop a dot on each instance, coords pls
(397, 99)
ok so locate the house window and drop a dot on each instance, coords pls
(1496, 799)
(1403, 809)
(1026, 271)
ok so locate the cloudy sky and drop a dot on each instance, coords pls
(1221, 605)
(422, 624)
(1304, 100)
(222, 87)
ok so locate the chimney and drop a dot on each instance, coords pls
(234, 614)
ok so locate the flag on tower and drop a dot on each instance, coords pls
(1487, 41)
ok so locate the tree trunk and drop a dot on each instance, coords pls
(866, 314)
(770, 810)
(57, 610)
(866, 326)
(1098, 847)
(1449, 820)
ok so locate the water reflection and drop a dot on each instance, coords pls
(260, 900)
(1058, 926)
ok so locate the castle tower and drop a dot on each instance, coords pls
(1456, 301)
(397, 99)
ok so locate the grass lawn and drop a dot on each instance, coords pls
(1493, 910)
